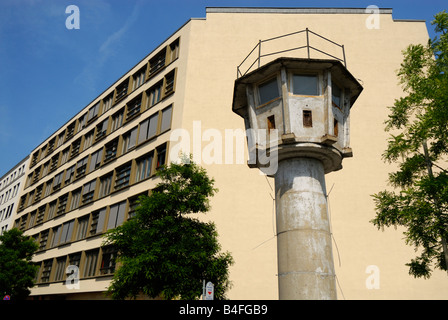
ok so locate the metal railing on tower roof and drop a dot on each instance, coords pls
(306, 46)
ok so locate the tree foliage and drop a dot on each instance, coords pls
(163, 251)
(419, 145)
(17, 272)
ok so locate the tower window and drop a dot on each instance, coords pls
(336, 127)
(305, 85)
(271, 123)
(307, 119)
(268, 91)
(336, 95)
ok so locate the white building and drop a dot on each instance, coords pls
(10, 185)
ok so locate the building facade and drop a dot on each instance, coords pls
(85, 178)
(10, 185)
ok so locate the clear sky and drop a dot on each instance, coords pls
(48, 72)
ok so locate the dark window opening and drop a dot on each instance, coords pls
(307, 119)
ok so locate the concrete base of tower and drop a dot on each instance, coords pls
(305, 259)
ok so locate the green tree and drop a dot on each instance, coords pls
(17, 272)
(163, 251)
(419, 145)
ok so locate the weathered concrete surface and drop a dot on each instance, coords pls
(305, 260)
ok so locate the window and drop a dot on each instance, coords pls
(64, 156)
(95, 161)
(169, 82)
(121, 90)
(32, 219)
(122, 176)
(67, 231)
(81, 230)
(143, 169)
(108, 260)
(54, 162)
(88, 139)
(60, 139)
(166, 119)
(48, 186)
(161, 156)
(133, 204)
(101, 129)
(134, 107)
(158, 62)
(129, 140)
(81, 167)
(51, 145)
(38, 192)
(116, 215)
(51, 210)
(82, 122)
(74, 259)
(105, 185)
(148, 128)
(55, 234)
(93, 111)
(174, 50)
(268, 91)
(154, 94)
(57, 181)
(70, 131)
(117, 120)
(41, 214)
(76, 197)
(107, 102)
(45, 169)
(88, 191)
(138, 78)
(98, 219)
(307, 119)
(69, 174)
(336, 127)
(43, 239)
(76, 146)
(90, 263)
(62, 204)
(110, 150)
(60, 268)
(46, 271)
(305, 85)
(271, 123)
(336, 95)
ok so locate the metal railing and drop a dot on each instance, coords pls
(306, 46)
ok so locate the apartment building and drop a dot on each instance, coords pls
(10, 185)
(85, 178)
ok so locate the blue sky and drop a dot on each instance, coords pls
(48, 73)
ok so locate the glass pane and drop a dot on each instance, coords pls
(268, 91)
(336, 95)
(305, 84)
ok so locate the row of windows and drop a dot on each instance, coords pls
(301, 84)
(79, 265)
(87, 226)
(5, 213)
(147, 129)
(101, 130)
(154, 65)
(12, 177)
(126, 175)
(11, 193)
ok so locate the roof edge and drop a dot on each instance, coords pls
(291, 10)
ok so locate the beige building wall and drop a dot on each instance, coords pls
(243, 209)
